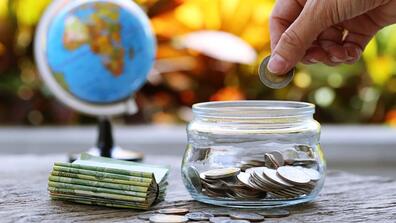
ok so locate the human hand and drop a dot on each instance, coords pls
(314, 31)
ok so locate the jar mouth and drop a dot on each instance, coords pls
(247, 109)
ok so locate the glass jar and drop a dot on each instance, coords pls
(253, 154)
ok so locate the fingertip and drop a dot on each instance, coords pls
(278, 64)
(315, 54)
(354, 52)
(306, 62)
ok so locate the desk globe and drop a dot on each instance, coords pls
(93, 55)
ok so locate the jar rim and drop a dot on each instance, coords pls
(246, 109)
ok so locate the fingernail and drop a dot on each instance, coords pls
(277, 64)
(335, 59)
(349, 58)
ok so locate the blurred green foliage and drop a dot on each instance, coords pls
(361, 93)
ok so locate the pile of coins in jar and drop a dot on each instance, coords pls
(284, 174)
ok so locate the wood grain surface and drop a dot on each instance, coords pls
(24, 198)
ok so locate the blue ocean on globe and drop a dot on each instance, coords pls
(100, 52)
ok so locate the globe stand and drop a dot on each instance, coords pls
(65, 52)
(105, 145)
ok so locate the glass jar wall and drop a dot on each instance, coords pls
(253, 154)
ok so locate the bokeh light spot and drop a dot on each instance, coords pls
(335, 80)
(25, 93)
(190, 15)
(368, 94)
(324, 96)
(35, 117)
(302, 79)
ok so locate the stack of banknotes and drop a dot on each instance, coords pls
(108, 182)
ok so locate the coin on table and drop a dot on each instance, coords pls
(246, 216)
(226, 220)
(271, 80)
(218, 212)
(234, 221)
(221, 173)
(179, 211)
(218, 219)
(145, 216)
(139, 221)
(293, 175)
(164, 218)
(274, 213)
(199, 216)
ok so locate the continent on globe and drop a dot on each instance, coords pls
(101, 31)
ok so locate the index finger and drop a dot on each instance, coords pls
(282, 16)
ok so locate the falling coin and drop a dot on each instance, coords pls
(179, 211)
(274, 213)
(163, 218)
(272, 80)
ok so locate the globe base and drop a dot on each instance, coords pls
(105, 145)
(116, 153)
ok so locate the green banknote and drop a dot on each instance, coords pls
(101, 167)
(137, 181)
(138, 185)
(100, 201)
(137, 195)
(94, 183)
(160, 172)
(71, 191)
(107, 182)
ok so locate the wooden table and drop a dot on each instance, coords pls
(23, 196)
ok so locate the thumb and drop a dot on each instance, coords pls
(295, 41)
